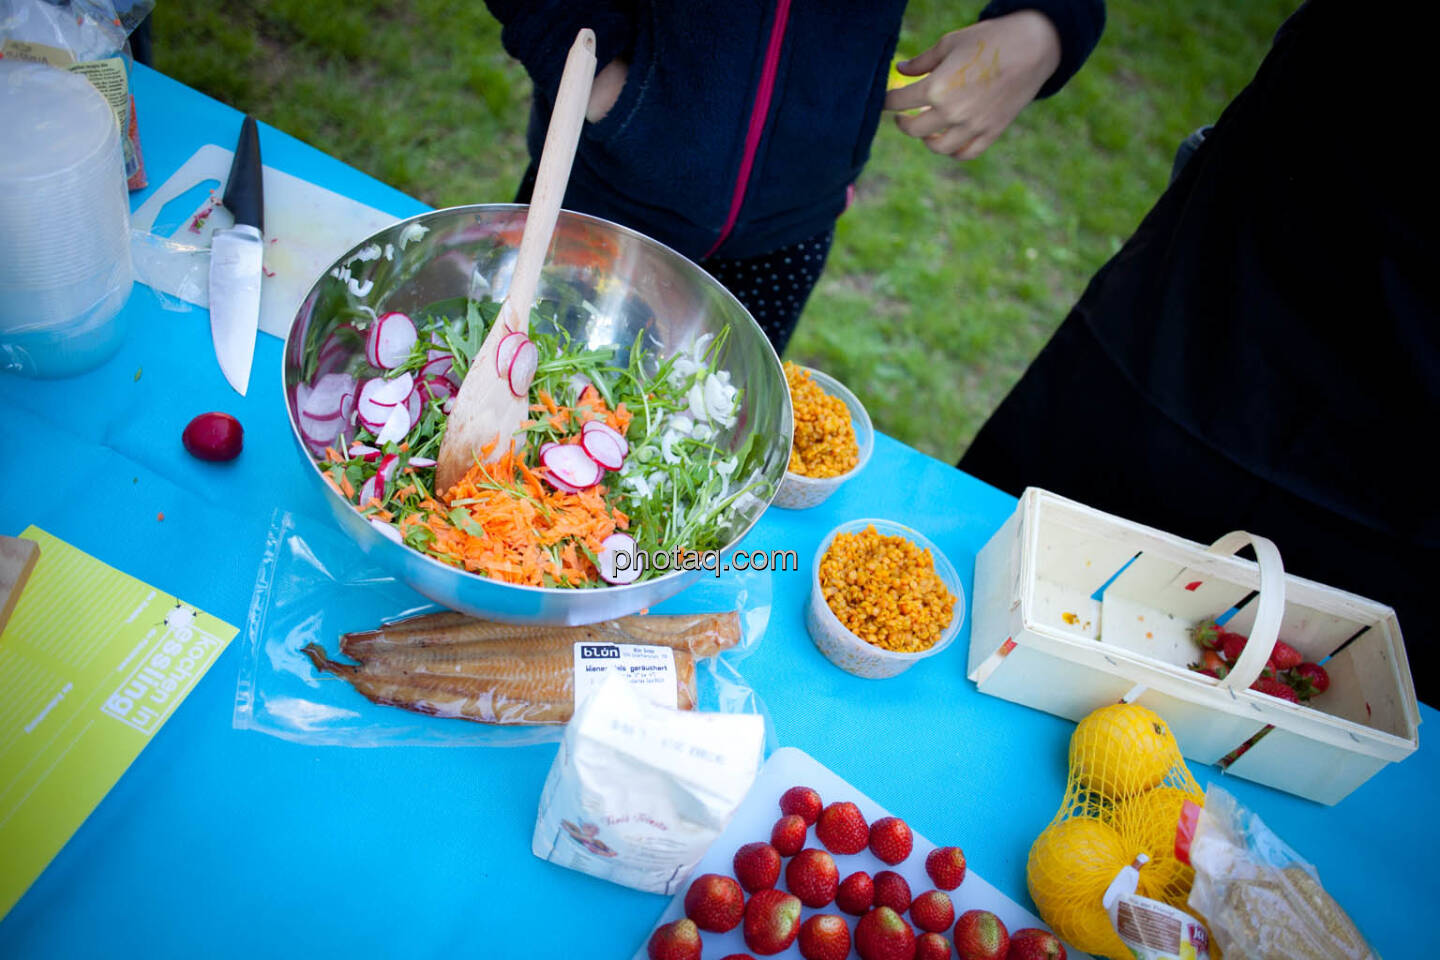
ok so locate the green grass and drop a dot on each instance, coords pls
(945, 279)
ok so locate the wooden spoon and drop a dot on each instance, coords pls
(486, 409)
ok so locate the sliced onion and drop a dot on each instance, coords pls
(523, 367)
(603, 449)
(609, 431)
(612, 568)
(505, 351)
(572, 466)
(391, 339)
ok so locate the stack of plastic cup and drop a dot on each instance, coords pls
(65, 267)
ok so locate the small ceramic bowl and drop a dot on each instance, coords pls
(797, 492)
(848, 651)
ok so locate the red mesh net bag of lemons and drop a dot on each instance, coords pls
(1127, 786)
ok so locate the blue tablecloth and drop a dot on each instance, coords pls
(222, 843)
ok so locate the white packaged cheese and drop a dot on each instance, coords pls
(638, 791)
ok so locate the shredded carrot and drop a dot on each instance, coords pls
(332, 456)
(347, 487)
(405, 491)
(519, 529)
(544, 397)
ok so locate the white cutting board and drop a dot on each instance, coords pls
(789, 767)
(306, 228)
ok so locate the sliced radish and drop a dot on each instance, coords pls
(505, 351)
(366, 451)
(546, 446)
(414, 405)
(321, 432)
(437, 366)
(397, 426)
(578, 382)
(386, 530)
(603, 449)
(522, 368)
(347, 407)
(555, 482)
(435, 388)
(422, 462)
(326, 400)
(572, 466)
(618, 559)
(388, 463)
(390, 341)
(600, 426)
(440, 349)
(396, 390)
(370, 407)
(372, 489)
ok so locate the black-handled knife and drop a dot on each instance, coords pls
(236, 261)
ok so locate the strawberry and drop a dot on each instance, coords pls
(932, 911)
(980, 935)
(813, 877)
(1032, 944)
(1310, 679)
(882, 935)
(757, 866)
(892, 890)
(825, 937)
(788, 834)
(946, 866)
(772, 921)
(1231, 646)
(841, 828)
(715, 903)
(1206, 633)
(932, 946)
(856, 894)
(1285, 657)
(737, 956)
(679, 940)
(890, 839)
(802, 801)
(1275, 688)
(1212, 660)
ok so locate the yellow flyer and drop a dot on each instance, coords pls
(92, 663)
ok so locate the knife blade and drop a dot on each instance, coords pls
(236, 257)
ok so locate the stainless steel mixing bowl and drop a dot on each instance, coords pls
(608, 283)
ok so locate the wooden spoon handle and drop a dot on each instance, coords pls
(561, 138)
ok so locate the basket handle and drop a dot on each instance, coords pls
(1268, 614)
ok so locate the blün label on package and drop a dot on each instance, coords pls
(92, 664)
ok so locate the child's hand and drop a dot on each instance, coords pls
(979, 79)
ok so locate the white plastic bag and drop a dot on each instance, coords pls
(639, 791)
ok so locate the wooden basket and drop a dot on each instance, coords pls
(1074, 608)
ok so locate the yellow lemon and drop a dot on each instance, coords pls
(1071, 864)
(1122, 750)
(1149, 820)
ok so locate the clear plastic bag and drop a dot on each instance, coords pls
(90, 37)
(1260, 899)
(315, 586)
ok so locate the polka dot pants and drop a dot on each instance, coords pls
(774, 286)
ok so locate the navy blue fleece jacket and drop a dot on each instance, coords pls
(668, 157)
